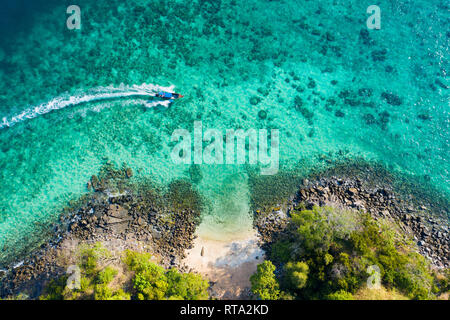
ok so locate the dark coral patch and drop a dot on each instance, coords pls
(391, 98)
(262, 114)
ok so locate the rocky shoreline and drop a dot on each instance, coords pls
(129, 219)
(427, 228)
(122, 216)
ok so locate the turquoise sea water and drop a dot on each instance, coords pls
(331, 86)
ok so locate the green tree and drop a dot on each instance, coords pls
(336, 248)
(313, 229)
(297, 274)
(151, 283)
(106, 275)
(89, 257)
(340, 295)
(103, 292)
(186, 286)
(264, 283)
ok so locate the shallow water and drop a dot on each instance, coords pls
(333, 88)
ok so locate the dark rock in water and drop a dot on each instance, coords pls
(255, 100)
(369, 104)
(365, 92)
(5, 149)
(331, 101)
(327, 70)
(389, 69)
(95, 183)
(311, 84)
(352, 102)
(369, 119)
(337, 50)
(379, 55)
(424, 117)
(195, 173)
(306, 113)
(364, 35)
(300, 89)
(391, 98)
(263, 91)
(129, 172)
(298, 101)
(330, 36)
(344, 94)
(441, 84)
(334, 82)
(384, 119)
(339, 114)
(262, 114)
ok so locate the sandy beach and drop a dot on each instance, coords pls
(228, 264)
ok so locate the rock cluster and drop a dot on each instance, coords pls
(127, 218)
(429, 231)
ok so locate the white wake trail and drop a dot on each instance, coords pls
(99, 93)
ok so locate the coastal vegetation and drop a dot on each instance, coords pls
(135, 275)
(328, 253)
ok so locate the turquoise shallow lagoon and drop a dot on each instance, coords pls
(311, 69)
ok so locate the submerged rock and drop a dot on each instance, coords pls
(369, 118)
(129, 172)
(379, 55)
(424, 117)
(392, 99)
(255, 100)
(365, 37)
(262, 114)
(365, 92)
(95, 183)
(311, 84)
(339, 114)
(441, 84)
